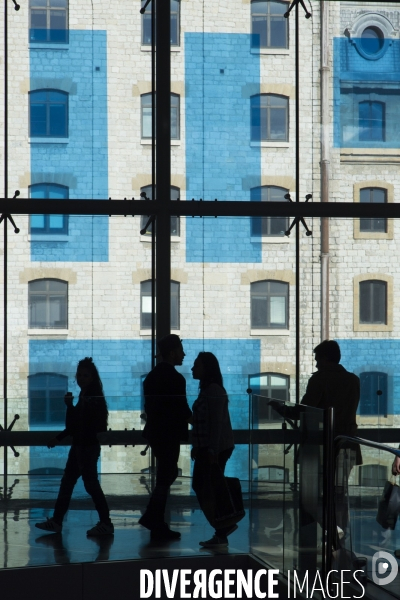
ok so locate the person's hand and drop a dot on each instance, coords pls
(68, 399)
(396, 466)
(53, 442)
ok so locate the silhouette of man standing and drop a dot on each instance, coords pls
(166, 427)
(333, 386)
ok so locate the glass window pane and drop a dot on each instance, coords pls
(174, 30)
(278, 225)
(278, 381)
(278, 8)
(146, 31)
(58, 3)
(38, 285)
(146, 304)
(57, 192)
(38, 120)
(277, 124)
(146, 122)
(278, 33)
(278, 310)
(37, 312)
(259, 32)
(37, 221)
(379, 302)
(259, 312)
(365, 302)
(56, 221)
(58, 122)
(38, 19)
(57, 286)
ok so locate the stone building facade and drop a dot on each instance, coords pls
(234, 128)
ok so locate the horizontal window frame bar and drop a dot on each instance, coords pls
(207, 208)
(242, 436)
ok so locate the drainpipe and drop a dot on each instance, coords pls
(325, 155)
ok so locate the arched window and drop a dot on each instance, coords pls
(371, 121)
(379, 196)
(175, 24)
(48, 113)
(268, 385)
(268, 226)
(147, 111)
(373, 393)
(269, 28)
(373, 302)
(48, 21)
(145, 305)
(175, 224)
(49, 224)
(48, 304)
(269, 305)
(46, 399)
(269, 118)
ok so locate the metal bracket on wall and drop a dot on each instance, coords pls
(16, 417)
(298, 219)
(9, 217)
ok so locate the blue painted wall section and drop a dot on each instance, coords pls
(84, 159)
(221, 74)
(380, 355)
(358, 78)
(122, 364)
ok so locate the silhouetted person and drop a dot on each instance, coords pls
(212, 434)
(333, 386)
(166, 427)
(83, 421)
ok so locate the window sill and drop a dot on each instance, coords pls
(145, 238)
(281, 239)
(269, 145)
(48, 332)
(366, 235)
(145, 142)
(48, 140)
(365, 327)
(33, 237)
(269, 332)
(147, 48)
(280, 51)
(47, 46)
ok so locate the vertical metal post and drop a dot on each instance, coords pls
(325, 157)
(329, 490)
(163, 167)
(297, 200)
(5, 382)
(153, 182)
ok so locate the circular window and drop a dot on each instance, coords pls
(372, 40)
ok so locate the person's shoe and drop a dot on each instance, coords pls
(49, 525)
(164, 534)
(146, 521)
(215, 542)
(101, 529)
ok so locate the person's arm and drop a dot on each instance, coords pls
(314, 392)
(216, 400)
(69, 423)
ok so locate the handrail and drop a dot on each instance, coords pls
(363, 442)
